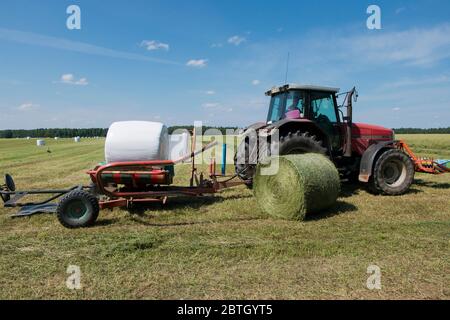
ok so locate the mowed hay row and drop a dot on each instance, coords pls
(300, 185)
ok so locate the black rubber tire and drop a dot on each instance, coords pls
(292, 143)
(393, 173)
(9, 181)
(85, 201)
(300, 142)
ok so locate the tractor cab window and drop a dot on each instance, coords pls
(322, 107)
(295, 100)
(276, 107)
(289, 104)
(323, 112)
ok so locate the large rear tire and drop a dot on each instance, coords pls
(78, 209)
(291, 143)
(393, 173)
(299, 143)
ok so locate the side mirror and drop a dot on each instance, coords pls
(355, 96)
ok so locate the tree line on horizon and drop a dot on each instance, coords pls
(85, 132)
(101, 132)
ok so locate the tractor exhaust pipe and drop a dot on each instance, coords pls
(348, 119)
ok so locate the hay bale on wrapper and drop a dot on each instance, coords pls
(303, 184)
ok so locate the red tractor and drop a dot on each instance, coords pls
(309, 119)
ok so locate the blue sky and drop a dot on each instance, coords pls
(181, 61)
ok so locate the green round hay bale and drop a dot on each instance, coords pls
(303, 184)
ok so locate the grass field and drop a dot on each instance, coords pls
(224, 246)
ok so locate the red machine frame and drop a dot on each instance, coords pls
(198, 184)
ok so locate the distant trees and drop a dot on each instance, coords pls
(6, 134)
(53, 132)
(89, 132)
(419, 130)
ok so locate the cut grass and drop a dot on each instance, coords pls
(223, 246)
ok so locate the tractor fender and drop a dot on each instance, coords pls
(255, 126)
(369, 156)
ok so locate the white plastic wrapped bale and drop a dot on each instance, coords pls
(76, 139)
(40, 143)
(136, 141)
(179, 146)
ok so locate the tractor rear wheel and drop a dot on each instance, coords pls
(393, 173)
(291, 143)
(298, 142)
(77, 209)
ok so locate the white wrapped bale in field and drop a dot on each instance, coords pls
(40, 143)
(136, 141)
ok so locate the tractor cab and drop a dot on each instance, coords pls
(309, 103)
(302, 102)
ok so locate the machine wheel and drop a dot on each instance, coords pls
(393, 173)
(9, 182)
(298, 142)
(9, 186)
(78, 209)
(292, 143)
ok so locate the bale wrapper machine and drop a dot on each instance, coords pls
(119, 184)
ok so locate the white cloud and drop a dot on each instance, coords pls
(151, 45)
(69, 78)
(210, 92)
(27, 106)
(396, 109)
(217, 45)
(256, 82)
(200, 63)
(236, 40)
(82, 82)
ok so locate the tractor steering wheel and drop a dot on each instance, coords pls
(323, 119)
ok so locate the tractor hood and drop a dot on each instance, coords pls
(371, 132)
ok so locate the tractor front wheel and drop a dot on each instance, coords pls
(393, 173)
(78, 209)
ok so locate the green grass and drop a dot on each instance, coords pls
(224, 246)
